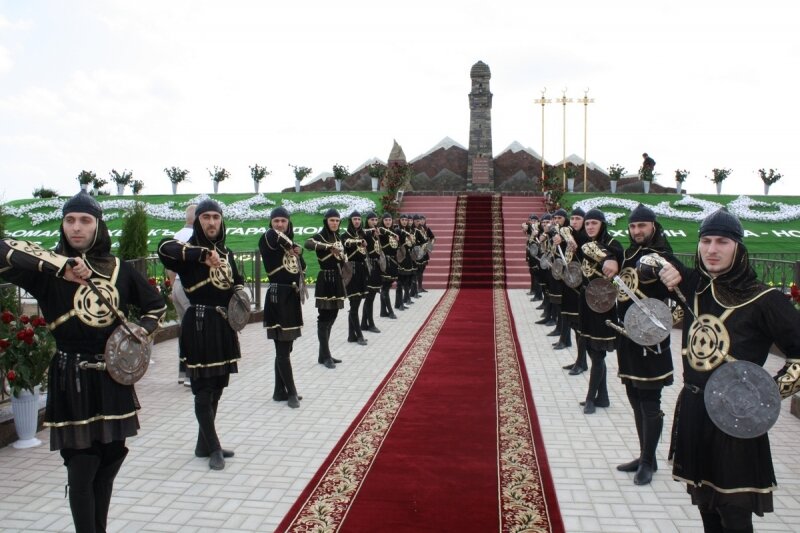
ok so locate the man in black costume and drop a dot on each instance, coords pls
(208, 343)
(374, 272)
(389, 242)
(406, 269)
(355, 250)
(283, 312)
(329, 291)
(428, 239)
(570, 238)
(531, 229)
(89, 414)
(728, 478)
(644, 372)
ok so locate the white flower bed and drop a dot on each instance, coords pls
(742, 207)
(241, 210)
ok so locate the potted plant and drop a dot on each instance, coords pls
(615, 172)
(340, 172)
(769, 178)
(568, 173)
(258, 173)
(300, 173)
(121, 179)
(26, 347)
(217, 175)
(85, 178)
(376, 173)
(97, 184)
(718, 176)
(137, 186)
(646, 175)
(680, 177)
(176, 175)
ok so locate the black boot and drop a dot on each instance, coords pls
(104, 484)
(284, 363)
(353, 325)
(201, 448)
(204, 412)
(651, 432)
(328, 329)
(324, 357)
(545, 313)
(398, 297)
(633, 466)
(81, 471)
(596, 377)
(580, 364)
(565, 340)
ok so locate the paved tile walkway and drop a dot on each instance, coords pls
(163, 487)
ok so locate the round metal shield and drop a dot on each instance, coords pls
(708, 343)
(382, 262)
(533, 249)
(417, 253)
(239, 310)
(544, 262)
(573, 276)
(557, 268)
(641, 329)
(742, 399)
(401, 254)
(347, 272)
(429, 246)
(127, 357)
(631, 279)
(601, 295)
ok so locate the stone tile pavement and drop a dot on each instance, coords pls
(163, 487)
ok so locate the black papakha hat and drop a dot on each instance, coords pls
(722, 224)
(578, 212)
(416, 217)
(642, 213)
(82, 203)
(207, 205)
(355, 214)
(386, 215)
(370, 214)
(547, 216)
(279, 212)
(330, 213)
(595, 214)
(533, 217)
(560, 213)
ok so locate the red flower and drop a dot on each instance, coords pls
(167, 282)
(152, 281)
(38, 322)
(28, 340)
(11, 375)
(24, 319)
(4, 344)
(795, 292)
(7, 317)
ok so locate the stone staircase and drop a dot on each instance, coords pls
(516, 210)
(440, 212)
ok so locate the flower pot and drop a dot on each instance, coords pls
(256, 184)
(613, 184)
(766, 189)
(84, 186)
(120, 189)
(719, 187)
(374, 184)
(571, 184)
(678, 187)
(174, 188)
(26, 418)
(296, 185)
(216, 187)
(338, 185)
(646, 187)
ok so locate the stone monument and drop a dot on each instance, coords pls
(480, 166)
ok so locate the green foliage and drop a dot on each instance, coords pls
(43, 192)
(97, 183)
(26, 347)
(646, 173)
(2, 221)
(137, 186)
(123, 178)
(615, 172)
(771, 177)
(258, 173)
(300, 172)
(377, 170)
(397, 177)
(681, 175)
(219, 174)
(86, 177)
(553, 187)
(340, 172)
(133, 241)
(176, 174)
(720, 174)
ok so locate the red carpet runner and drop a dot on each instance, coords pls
(449, 441)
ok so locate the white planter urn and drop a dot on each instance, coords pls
(571, 184)
(84, 187)
(375, 183)
(26, 417)
(296, 185)
(646, 186)
(678, 187)
(338, 185)
(120, 189)
(216, 187)
(766, 189)
(256, 185)
(613, 184)
(719, 187)
(174, 188)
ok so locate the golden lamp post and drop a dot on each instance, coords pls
(542, 101)
(564, 101)
(585, 101)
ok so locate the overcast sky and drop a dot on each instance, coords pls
(143, 85)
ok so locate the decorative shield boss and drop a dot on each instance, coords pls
(742, 399)
(127, 356)
(573, 275)
(601, 295)
(641, 329)
(533, 249)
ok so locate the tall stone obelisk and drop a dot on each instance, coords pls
(480, 165)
